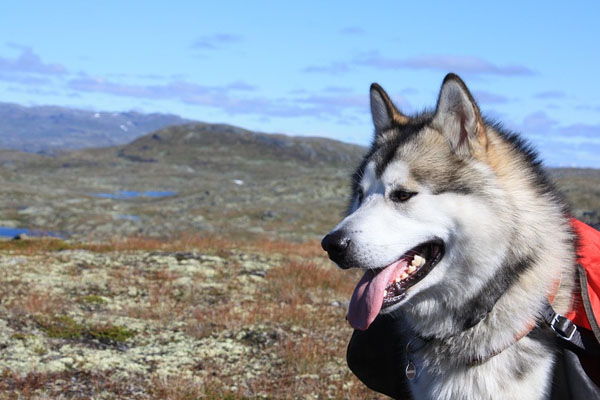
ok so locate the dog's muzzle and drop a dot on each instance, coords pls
(336, 244)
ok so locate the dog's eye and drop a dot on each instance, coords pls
(400, 196)
(360, 196)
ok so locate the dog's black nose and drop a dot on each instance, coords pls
(335, 244)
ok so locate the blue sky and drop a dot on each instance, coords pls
(304, 68)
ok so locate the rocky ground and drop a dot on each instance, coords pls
(192, 318)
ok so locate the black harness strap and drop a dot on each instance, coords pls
(579, 339)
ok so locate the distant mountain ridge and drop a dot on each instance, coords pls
(46, 129)
(156, 137)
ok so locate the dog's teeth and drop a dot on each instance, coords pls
(418, 261)
(412, 269)
(397, 279)
(404, 275)
(385, 293)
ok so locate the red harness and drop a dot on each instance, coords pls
(586, 305)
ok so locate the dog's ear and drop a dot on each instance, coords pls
(458, 118)
(383, 110)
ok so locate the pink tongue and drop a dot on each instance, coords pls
(367, 298)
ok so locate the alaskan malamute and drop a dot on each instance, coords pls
(463, 240)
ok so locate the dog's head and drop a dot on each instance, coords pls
(421, 201)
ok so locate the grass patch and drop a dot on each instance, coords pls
(34, 245)
(65, 327)
(92, 299)
(110, 333)
(39, 302)
(210, 244)
(20, 336)
(67, 385)
(303, 281)
(178, 388)
(306, 249)
(207, 244)
(62, 326)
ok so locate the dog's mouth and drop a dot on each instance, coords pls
(381, 288)
(422, 260)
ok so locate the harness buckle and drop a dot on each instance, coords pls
(563, 327)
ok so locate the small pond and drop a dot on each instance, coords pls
(130, 194)
(128, 217)
(7, 231)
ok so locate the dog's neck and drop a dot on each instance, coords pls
(533, 324)
(486, 357)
